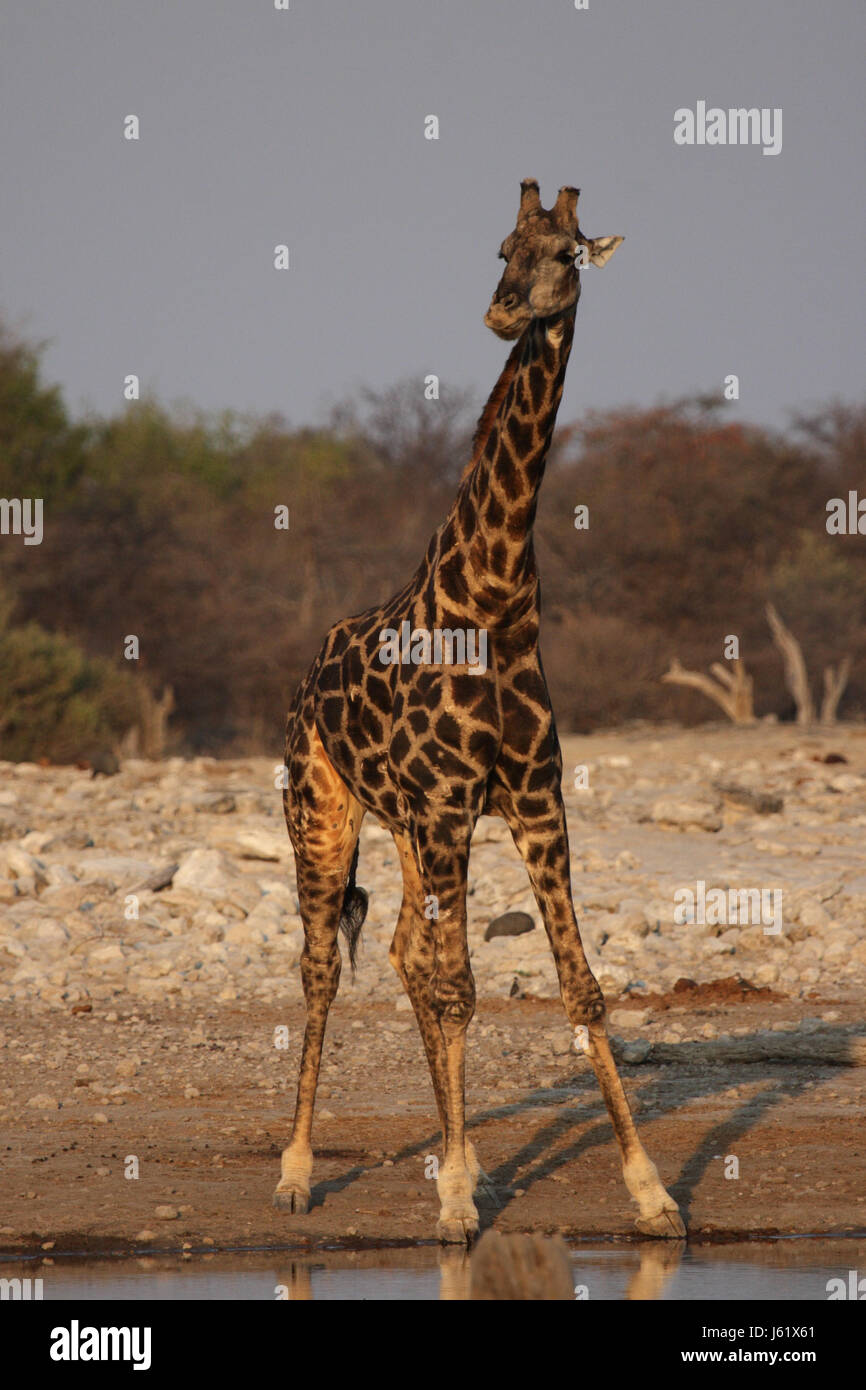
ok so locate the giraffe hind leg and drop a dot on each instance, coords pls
(324, 823)
(412, 956)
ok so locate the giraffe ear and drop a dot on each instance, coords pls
(601, 248)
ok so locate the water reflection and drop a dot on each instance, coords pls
(650, 1270)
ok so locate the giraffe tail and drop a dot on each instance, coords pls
(353, 912)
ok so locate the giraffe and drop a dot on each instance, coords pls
(427, 747)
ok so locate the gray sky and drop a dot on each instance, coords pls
(307, 127)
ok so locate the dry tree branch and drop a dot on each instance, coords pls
(795, 667)
(835, 681)
(732, 689)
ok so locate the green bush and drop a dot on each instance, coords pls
(55, 701)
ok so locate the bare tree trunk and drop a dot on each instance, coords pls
(795, 667)
(156, 717)
(147, 738)
(835, 681)
(733, 690)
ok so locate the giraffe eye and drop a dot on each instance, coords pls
(565, 258)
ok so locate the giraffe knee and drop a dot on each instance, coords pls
(320, 975)
(453, 1003)
(585, 1004)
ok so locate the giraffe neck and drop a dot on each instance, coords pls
(492, 566)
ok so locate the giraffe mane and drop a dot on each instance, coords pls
(494, 402)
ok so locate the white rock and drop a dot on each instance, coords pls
(628, 1018)
(612, 979)
(43, 1102)
(243, 934)
(59, 874)
(847, 782)
(21, 865)
(263, 844)
(813, 914)
(119, 869)
(205, 871)
(621, 925)
(699, 815)
(52, 932)
(766, 974)
(269, 915)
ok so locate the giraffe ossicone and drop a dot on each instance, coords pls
(428, 748)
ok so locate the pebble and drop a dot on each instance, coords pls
(43, 1102)
(687, 815)
(509, 924)
(628, 1018)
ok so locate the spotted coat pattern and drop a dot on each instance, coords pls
(427, 749)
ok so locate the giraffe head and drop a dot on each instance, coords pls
(540, 277)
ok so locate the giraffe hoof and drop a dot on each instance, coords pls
(457, 1230)
(667, 1224)
(292, 1199)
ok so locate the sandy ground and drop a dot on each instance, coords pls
(119, 1068)
(206, 1115)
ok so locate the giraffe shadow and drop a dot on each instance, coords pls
(329, 1186)
(542, 1155)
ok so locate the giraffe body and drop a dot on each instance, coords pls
(429, 746)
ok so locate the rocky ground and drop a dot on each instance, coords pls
(151, 1002)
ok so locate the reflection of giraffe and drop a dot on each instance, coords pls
(428, 748)
(658, 1265)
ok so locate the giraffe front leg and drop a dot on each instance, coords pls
(452, 995)
(458, 1215)
(544, 848)
(659, 1213)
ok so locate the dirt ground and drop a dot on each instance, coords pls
(148, 1064)
(203, 1100)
